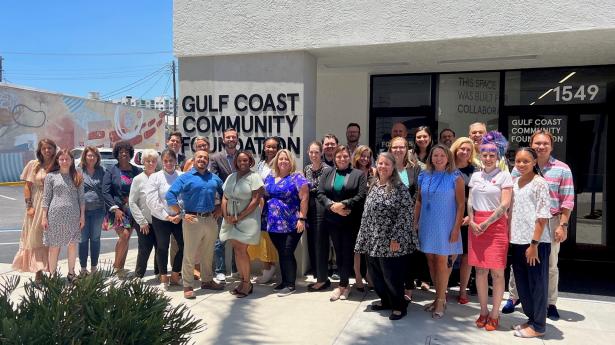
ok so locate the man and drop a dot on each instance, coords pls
(476, 132)
(329, 145)
(198, 189)
(561, 190)
(222, 165)
(399, 130)
(175, 143)
(353, 133)
(447, 136)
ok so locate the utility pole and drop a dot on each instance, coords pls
(1, 68)
(174, 98)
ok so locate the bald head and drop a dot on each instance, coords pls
(399, 130)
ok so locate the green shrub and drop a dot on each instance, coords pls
(93, 310)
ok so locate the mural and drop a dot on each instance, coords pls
(27, 116)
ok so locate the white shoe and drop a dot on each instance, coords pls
(164, 286)
(220, 277)
(266, 277)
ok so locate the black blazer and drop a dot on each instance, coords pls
(413, 178)
(112, 187)
(352, 195)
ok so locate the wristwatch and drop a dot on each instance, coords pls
(535, 242)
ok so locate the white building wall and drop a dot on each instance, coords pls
(237, 27)
(342, 98)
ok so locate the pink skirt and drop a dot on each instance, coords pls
(489, 249)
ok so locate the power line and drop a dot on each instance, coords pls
(86, 53)
(134, 84)
(34, 68)
(151, 87)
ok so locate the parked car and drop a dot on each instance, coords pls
(107, 160)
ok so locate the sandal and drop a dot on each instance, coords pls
(439, 314)
(430, 307)
(241, 294)
(408, 295)
(482, 320)
(523, 333)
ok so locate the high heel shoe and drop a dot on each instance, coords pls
(266, 277)
(482, 320)
(439, 314)
(430, 307)
(492, 324)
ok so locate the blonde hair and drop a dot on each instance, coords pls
(450, 165)
(291, 159)
(457, 145)
(149, 154)
(358, 152)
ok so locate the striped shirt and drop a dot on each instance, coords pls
(561, 186)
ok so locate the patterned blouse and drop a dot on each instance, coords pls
(313, 176)
(387, 216)
(530, 202)
(283, 203)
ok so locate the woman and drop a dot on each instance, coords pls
(463, 151)
(141, 212)
(286, 200)
(490, 195)
(93, 175)
(265, 250)
(165, 221)
(408, 171)
(386, 236)
(318, 236)
(530, 244)
(362, 159)
(116, 189)
(63, 210)
(342, 193)
(241, 211)
(33, 254)
(439, 212)
(423, 143)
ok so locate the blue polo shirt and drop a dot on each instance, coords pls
(198, 191)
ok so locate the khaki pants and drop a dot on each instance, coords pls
(199, 239)
(553, 269)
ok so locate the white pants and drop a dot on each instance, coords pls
(553, 269)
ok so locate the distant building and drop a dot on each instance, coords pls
(162, 103)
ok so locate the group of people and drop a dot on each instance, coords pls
(393, 221)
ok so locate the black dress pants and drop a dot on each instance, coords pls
(388, 277)
(343, 237)
(164, 230)
(318, 241)
(532, 283)
(286, 243)
(146, 244)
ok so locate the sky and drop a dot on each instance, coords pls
(114, 47)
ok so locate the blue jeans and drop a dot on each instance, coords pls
(91, 235)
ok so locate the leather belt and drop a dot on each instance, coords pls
(200, 214)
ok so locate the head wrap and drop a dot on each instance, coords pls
(494, 141)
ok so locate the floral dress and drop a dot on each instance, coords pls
(282, 202)
(386, 218)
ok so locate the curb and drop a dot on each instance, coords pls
(7, 184)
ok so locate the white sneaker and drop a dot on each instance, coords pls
(266, 277)
(164, 286)
(286, 291)
(220, 277)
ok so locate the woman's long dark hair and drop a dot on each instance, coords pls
(74, 175)
(279, 146)
(429, 146)
(534, 155)
(39, 153)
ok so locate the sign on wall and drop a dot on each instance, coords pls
(255, 116)
(520, 130)
(465, 98)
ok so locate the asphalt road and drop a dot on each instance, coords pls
(12, 211)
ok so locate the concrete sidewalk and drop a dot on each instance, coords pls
(309, 318)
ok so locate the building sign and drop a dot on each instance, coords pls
(465, 98)
(255, 116)
(520, 130)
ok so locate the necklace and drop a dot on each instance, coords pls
(429, 192)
